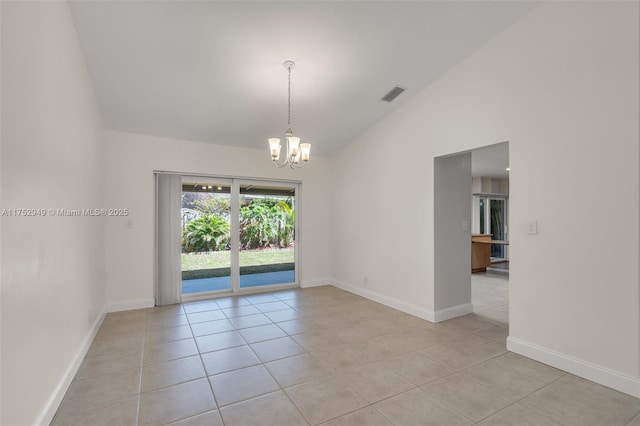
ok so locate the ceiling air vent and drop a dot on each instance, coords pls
(393, 93)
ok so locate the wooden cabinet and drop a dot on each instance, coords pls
(480, 252)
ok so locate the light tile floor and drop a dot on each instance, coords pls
(324, 356)
(490, 296)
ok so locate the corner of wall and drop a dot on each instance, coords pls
(315, 283)
(453, 312)
(128, 305)
(392, 302)
(48, 413)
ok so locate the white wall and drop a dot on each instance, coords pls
(131, 160)
(380, 209)
(489, 185)
(561, 86)
(52, 267)
(452, 236)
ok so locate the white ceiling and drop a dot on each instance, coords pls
(491, 161)
(212, 71)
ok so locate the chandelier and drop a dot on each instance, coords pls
(297, 153)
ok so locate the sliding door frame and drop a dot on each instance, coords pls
(476, 228)
(236, 182)
(296, 252)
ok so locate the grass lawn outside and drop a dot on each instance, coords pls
(222, 259)
(217, 263)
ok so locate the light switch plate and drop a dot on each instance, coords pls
(532, 227)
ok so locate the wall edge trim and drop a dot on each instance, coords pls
(53, 403)
(127, 305)
(596, 373)
(314, 283)
(392, 302)
(453, 312)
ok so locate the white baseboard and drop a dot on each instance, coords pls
(453, 312)
(392, 302)
(314, 283)
(127, 305)
(590, 371)
(46, 417)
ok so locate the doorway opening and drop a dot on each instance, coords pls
(471, 214)
(490, 211)
(490, 221)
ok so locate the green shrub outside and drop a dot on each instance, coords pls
(264, 223)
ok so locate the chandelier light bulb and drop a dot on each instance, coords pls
(274, 146)
(294, 145)
(305, 151)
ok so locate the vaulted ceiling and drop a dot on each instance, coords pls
(212, 71)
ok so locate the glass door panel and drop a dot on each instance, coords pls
(481, 209)
(267, 234)
(497, 223)
(206, 231)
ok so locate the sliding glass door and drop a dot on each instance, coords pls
(490, 218)
(267, 234)
(498, 227)
(237, 235)
(206, 235)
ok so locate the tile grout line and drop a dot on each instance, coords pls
(206, 376)
(262, 363)
(144, 341)
(282, 388)
(528, 395)
(484, 386)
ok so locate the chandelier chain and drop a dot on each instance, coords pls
(289, 100)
